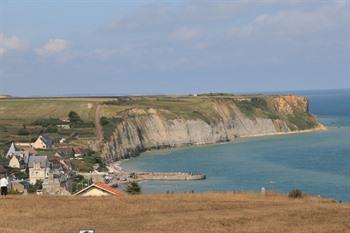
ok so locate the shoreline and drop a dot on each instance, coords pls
(117, 165)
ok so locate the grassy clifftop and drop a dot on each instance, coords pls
(206, 212)
(211, 109)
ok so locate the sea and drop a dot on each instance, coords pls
(317, 163)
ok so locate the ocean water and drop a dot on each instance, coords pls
(317, 163)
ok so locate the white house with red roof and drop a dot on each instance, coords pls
(99, 189)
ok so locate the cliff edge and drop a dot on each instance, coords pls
(132, 125)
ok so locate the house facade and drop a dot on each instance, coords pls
(18, 154)
(43, 142)
(15, 162)
(39, 168)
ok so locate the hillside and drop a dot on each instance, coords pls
(121, 127)
(136, 124)
(207, 212)
(16, 113)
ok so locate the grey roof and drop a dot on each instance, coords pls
(12, 150)
(38, 159)
(47, 140)
(65, 151)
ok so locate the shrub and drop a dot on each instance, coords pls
(21, 175)
(92, 158)
(37, 186)
(45, 122)
(51, 129)
(79, 185)
(104, 121)
(133, 188)
(295, 193)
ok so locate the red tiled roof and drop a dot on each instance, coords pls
(103, 187)
(108, 188)
(76, 150)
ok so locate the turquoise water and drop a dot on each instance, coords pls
(317, 163)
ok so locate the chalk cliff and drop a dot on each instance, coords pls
(212, 120)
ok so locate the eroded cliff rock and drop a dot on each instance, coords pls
(140, 128)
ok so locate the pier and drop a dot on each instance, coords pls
(166, 176)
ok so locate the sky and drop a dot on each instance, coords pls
(107, 47)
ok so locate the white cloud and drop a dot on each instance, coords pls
(298, 23)
(186, 33)
(52, 47)
(9, 43)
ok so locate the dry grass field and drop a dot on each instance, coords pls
(208, 212)
(17, 112)
(27, 110)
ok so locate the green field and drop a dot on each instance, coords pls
(29, 109)
(17, 113)
(187, 107)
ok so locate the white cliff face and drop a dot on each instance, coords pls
(150, 129)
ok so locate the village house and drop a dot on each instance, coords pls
(18, 154)
(64, 153)
(12, 151)
(78, 152)
(43, 142)
(65, 119)
(62, 140)
(99, 189)
(52, 186)
(22, 150)
(39, 168)
(15, 162)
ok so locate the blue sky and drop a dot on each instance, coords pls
(158, 47)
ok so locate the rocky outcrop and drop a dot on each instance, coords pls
(292, 104)
(139, 129)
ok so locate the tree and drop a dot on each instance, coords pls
(133, 188)
(37, 186)
(74, 118)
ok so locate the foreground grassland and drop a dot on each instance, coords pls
(208, 212)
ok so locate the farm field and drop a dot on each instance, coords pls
(17, 113)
